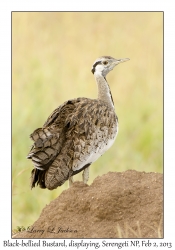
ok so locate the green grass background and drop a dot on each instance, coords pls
(52, 56)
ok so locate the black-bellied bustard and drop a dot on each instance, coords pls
(76, 134)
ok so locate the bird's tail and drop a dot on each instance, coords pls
(57, 173)
(37, 177)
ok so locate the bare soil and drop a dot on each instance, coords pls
(115, 205)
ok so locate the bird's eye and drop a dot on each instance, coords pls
(105, 62)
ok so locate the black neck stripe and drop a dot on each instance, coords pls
(93, 67)
(109, 91)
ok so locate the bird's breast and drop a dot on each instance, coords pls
(99, 142)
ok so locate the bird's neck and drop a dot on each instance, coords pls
(104, 92)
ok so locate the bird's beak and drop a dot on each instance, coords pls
(117, 61)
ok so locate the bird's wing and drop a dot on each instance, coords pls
(49, 139)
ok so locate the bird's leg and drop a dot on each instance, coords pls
(85, 175)
(71, 181)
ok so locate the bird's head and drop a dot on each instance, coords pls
(103, 65)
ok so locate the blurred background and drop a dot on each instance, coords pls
(52, 56)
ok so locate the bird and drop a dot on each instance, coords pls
(76, 133)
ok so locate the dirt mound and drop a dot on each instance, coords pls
(115, 205)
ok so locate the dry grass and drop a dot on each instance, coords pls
(52, 55)
(128, 232)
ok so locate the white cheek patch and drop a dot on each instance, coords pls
(98, 69)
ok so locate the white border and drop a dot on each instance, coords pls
(5, 93)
